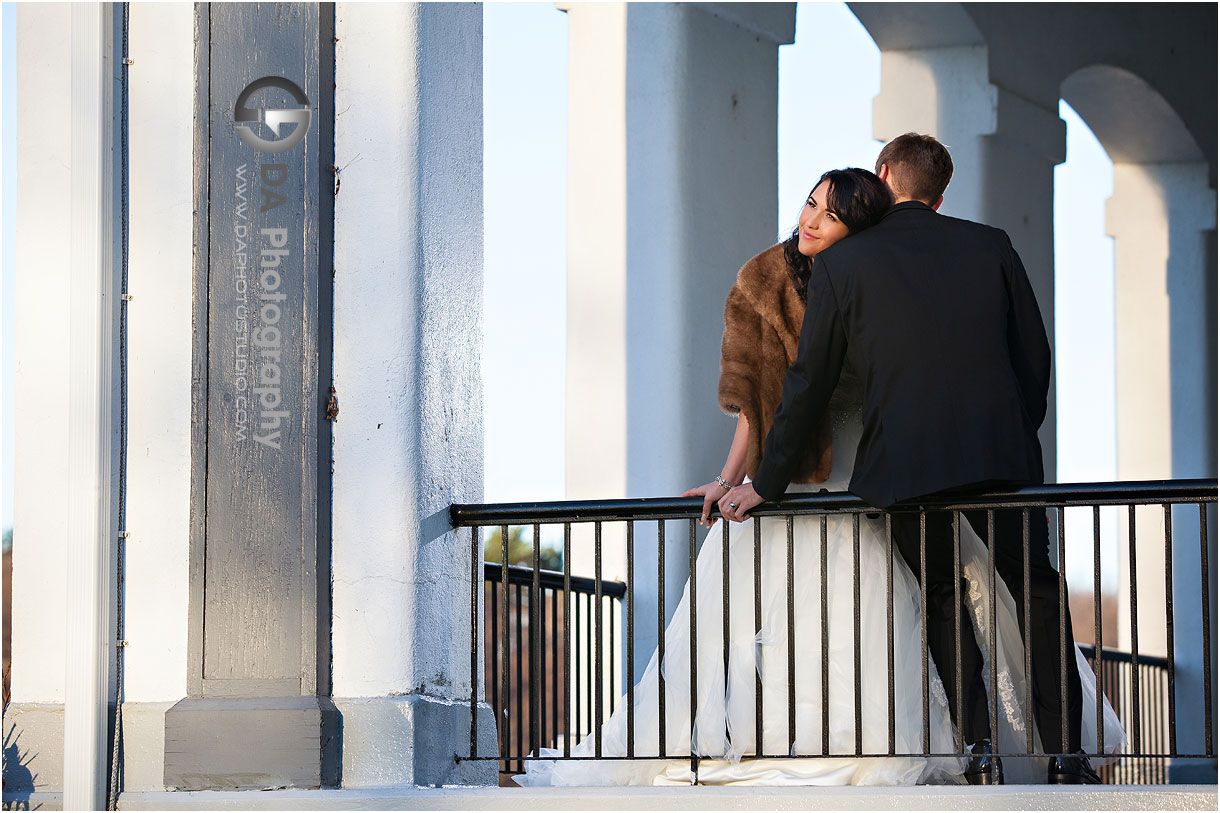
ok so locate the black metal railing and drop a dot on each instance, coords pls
(1119, 685)
(1144, 699)
(530, 646)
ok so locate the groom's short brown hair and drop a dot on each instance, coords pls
(919, 164)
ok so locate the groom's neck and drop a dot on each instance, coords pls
(907, 199)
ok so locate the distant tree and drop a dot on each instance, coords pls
(521, 549)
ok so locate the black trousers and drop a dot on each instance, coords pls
(1045, 652)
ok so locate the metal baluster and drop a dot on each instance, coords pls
(991, 631)
(589, 686)
(923, 626)
(536, 644)
(1173, 721)
(1146, 719)
(630, 639)
(507, 655)
(825, 648)
(577, 600)
(1029, 669)
(475, 583)
(724, 619)
(1156, 704)
(855, 540)
(957, 629)
(758, 699)
(1061, 516)
(1135, 647)
(889, 626)
(568, 676)
(610, 674)
(492, 610)
(791, 640)
(1158, 680)
(661, 637)
(543, 739)
(1207, 630)
(597, 641)
(694, 653)
(1097, 625)
(519, 722)
(1123, 678)
(556, 677)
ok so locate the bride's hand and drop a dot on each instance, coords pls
(736, 505)
(710, 492)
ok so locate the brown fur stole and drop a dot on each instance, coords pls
(762, 324)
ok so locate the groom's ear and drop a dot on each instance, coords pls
(939, 201)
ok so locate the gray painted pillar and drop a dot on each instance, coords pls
(671, 188)
(258, 713)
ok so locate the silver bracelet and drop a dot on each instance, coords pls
(724, 483)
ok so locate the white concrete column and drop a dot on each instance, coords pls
(161, 93)
(408, 439)
(159, 387)
(93, 409)
(41, 385)
(946, 93)
(671, 187)
(34, 720)
(1162, 218)
(1004, 150)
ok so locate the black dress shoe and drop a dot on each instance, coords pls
(1073, 770)
(984, 768)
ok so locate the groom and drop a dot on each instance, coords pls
(938, 317)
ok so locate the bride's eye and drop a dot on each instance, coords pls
(830, 216)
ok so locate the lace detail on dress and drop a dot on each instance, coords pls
(936, 689)
(1011, 702)
(975, 594)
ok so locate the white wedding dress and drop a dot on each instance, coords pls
(725, 720)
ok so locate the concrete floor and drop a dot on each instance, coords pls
(1011, 797)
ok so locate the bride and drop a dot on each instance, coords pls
(763, 318)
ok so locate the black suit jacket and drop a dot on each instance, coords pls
(938, 316)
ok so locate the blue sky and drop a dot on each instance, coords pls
(525, 131)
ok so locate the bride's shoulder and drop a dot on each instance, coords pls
(764, 268)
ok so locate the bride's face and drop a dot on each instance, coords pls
(818, 227)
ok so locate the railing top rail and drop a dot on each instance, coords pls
(1112, 655)
(1058, 494)
(552, 579)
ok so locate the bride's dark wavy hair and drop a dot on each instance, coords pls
(858, 197)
